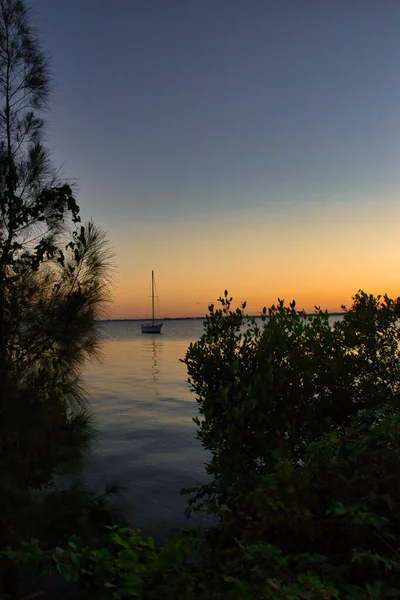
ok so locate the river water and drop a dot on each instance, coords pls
(143, 412)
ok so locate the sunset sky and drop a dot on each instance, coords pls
(252, 145)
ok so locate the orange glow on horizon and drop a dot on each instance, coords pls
(313, 256)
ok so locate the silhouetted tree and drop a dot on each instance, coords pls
(53, 280)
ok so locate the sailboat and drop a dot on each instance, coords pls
(154, 327)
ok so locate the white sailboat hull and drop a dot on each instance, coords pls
(152, 328)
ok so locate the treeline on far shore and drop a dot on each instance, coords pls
(306, 314)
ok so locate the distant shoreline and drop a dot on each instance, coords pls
(331, 314)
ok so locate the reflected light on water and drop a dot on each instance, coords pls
(143, 412)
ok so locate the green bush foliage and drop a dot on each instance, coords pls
(301, 420)
(283, 385)
(125, 564)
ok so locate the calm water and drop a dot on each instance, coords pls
(143, 412)
(143, 409)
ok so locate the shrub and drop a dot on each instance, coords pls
(125, 564)
(302, 423)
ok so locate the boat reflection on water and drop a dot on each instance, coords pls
(152, 348)
(155, 370)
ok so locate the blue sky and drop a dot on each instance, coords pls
(184, 111)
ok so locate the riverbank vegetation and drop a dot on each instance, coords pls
(300, 418)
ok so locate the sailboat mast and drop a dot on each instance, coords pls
(152, 294)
